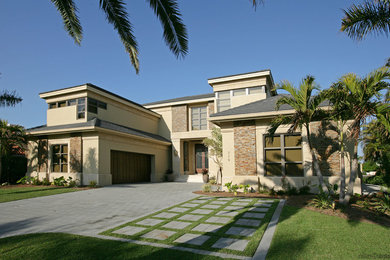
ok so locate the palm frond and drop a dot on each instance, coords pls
(287, 101)
(278, 121)
(289, 87)
(175, 32)
(116, 14)
(68, 11)
(8, 99)
(369, 17)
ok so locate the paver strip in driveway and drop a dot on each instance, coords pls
(231, 227)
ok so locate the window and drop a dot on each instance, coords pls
(62, 104)
(52, 105)
(80, 108)
(256, 90)
(71, 102)
(223, 100)
(102, 105)
(92, 105)
(239, 92)
(199, 118)
(60, 158)
(283, 155)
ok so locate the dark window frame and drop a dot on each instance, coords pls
(60, 155)
(282, 149)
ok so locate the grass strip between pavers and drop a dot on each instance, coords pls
(250, 249)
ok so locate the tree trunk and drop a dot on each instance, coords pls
(342, 165)
(354, 170)
(315, 162)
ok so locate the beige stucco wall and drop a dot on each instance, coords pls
(159, 152)
(165, 122)
(242, 83)
(236, 101)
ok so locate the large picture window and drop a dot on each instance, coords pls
(283, 155)
(199, 118)
(60, 158)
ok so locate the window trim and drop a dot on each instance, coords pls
(282, 149)
(60, 153)
(191, 120)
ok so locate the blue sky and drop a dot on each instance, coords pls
(292, 38)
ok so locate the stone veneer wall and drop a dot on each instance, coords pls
(245, 148)
(211, 111)
(76, 154)
(179, 118)
(325, 140)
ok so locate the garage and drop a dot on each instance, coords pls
(129, 167)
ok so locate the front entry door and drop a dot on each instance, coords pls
(201, 158)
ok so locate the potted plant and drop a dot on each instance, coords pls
(205, 174)
(169, 175)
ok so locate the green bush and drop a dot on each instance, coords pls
(24, 180)
(234, 188)
(291, 190)
(35, 181)
(46, 182)
(383, 205)
(212, 180)
(92, 184)
(228, 185)
(304, 190)
(377, 180)
(370, 166)
(71, 182)
(323, 200)
(206, 187)
(60, 181)
(14, 167)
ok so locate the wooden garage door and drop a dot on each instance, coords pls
(130, 167)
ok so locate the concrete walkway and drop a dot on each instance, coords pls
(368, 189)
(90, 212)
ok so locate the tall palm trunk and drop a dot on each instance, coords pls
(354, 170)
(315, 162)
(342, 163)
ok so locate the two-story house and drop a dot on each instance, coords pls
(94, 135)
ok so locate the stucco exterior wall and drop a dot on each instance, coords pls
(236, 101)
(160, 153)
(165, 122)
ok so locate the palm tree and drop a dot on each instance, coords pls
(10, 136)
(306, 108)
(363, 101)
(167, 11)
(340, 113)
(368, 17)
(8, 99)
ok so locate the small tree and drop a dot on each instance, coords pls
(10, 136)
(215, 148)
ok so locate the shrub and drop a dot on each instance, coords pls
(272, 191)
(234, 188)
(370, 166)
(245, 187)
(46, 182)
(35, 181)
(206, 187)
(228, 185)
(323, 200)
(291, 190)
(24, 180)
(212, 180)
(280, 192)
(60, 181)
(71, 182)
(304, 190)
(383, 205)
(92, 184)
(376, 180)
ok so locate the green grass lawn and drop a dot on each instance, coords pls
(66, 246)
(304, 234)
(19, 193)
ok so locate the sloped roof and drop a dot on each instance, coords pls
(210, 95)
(102, 124)
(264, 105)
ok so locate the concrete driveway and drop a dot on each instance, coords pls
(90, 212)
